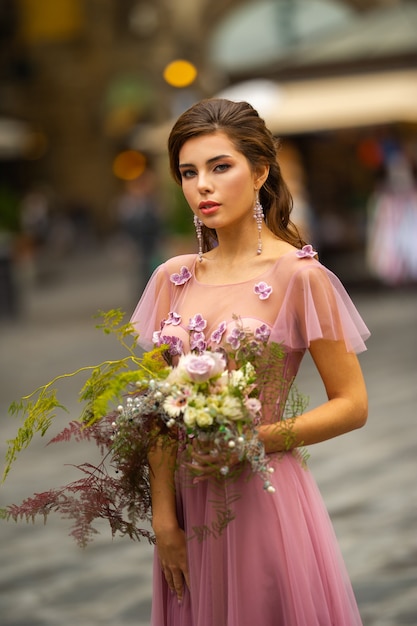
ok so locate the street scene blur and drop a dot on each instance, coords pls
(89, 90)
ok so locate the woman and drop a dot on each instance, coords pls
(275, 561)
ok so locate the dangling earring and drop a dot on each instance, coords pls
(198, 224)
(258, 214)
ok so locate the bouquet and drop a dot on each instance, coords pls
(209, 400)
(204, 403)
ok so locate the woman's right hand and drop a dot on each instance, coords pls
(172, 553)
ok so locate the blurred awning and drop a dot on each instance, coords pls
(343, 102)
(306, 106)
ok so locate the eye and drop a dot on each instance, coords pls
(222, 167)
(187, 173)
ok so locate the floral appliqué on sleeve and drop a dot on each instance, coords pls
(262, 290)
(306, 252)
(181, 278)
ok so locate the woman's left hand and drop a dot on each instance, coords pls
(208, 461)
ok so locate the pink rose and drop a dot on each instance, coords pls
(202, 367)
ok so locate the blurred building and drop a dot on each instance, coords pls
(82, 81)
(339, 84)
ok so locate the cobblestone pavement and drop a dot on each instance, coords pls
(367, 478)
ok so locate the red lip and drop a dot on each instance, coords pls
(207, 207)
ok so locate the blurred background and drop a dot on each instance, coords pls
(89, 90)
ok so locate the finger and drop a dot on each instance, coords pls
(204, 462)
(169, 575)
(200, 471)
(179, 588)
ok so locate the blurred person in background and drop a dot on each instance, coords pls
(392, 224)
(35, 215)
(138, 214)
(277, 560)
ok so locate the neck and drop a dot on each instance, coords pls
(235, 247)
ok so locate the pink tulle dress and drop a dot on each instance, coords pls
(256, 558)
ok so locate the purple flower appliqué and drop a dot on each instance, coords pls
(216, 335)
(306, 252)
(235, 338)
(198, 342)
(182, 277)
(263, 290)
(262, 333)
(173, 318)
(175, 344)
(197, 323)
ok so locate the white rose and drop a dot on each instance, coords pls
(231, 408)
(204, 419)
(190, 416)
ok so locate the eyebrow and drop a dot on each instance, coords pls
(208, 162)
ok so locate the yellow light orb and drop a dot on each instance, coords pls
(129, 164)
(180, 73)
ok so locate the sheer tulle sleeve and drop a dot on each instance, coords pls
(317, 306)
(153, 307)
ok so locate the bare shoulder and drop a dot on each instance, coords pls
(281, 248)
(275, 248)
(176, 263)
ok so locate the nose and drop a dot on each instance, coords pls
(204, 183)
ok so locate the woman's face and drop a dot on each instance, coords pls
(217, 180)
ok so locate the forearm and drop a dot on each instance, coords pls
(331, 419)
(170, 538)
(162, 460)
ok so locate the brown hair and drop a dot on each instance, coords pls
(248, 133)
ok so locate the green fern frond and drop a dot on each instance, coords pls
(38, 409)
(107, 383)
(112, 324)
(38, 415)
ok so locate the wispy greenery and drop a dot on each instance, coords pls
(117, 488)
(106, 384)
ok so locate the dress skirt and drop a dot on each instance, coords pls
(256, 558)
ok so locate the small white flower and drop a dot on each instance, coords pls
(237, 378)
(231, 408)
(204, 419)
(253, 405)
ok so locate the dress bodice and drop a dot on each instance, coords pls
(296, 301)
(296, 297)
